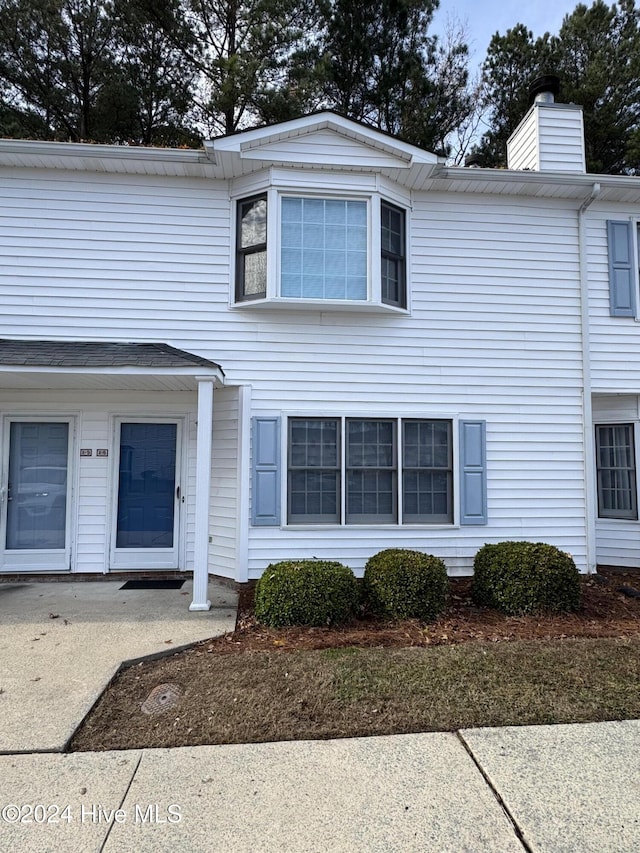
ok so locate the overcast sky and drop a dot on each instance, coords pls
(484, 17)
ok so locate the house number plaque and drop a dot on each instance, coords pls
(86, 451)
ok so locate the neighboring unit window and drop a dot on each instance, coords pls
(323, 249)
(369, 476)
(314, 471)
(616, 471)
(427, 471)
(251, 253)
(392, 248)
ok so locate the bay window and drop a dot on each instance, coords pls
(328, 250)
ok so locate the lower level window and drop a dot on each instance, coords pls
(369, 471)
(616, 471)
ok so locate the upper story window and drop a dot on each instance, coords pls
(251, 248)
(323, 248)
(331, 249)
(393, 243)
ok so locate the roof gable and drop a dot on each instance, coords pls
(321, 140)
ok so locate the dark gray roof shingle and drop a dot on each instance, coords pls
(96, 354)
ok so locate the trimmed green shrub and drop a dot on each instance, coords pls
(525, 577)
(306, 592)
(404, 584)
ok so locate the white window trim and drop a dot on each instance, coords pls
(276, 191)
(610, 420)
(342, 416)
(635, 223)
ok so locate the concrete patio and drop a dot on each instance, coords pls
(61, 643)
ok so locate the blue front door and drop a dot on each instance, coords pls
(148, 496)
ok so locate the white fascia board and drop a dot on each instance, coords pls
(196, 372)
(28, 147)
(570, 180)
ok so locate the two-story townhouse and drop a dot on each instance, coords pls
(314, 340)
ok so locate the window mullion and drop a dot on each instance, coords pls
(343, 472)
(273, 243)
(400, 471)
(375, 255)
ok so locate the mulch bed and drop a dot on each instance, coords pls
(605, 612)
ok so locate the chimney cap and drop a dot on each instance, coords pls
(542, 85)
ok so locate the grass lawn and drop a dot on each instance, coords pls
(469, 669)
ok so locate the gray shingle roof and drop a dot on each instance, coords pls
(95, 354)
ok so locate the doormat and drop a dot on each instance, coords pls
(153, 584)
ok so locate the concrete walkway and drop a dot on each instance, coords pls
(62, 642)
(548, 789)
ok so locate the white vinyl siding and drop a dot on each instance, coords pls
(493, 333)
(224, 510)
(614, 341)
(549, 138)
(522, 147)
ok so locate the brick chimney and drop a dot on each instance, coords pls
(551, 136)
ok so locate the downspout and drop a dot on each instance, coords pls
(587, 412)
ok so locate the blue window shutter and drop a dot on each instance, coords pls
(622, 277)
(265, 495)
(473, 472)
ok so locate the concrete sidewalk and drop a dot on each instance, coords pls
(547, 789)
(62, 642)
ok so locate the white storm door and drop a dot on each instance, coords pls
(35, 495)
(148, 495)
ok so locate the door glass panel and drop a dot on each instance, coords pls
(37, 488)
(147, 476)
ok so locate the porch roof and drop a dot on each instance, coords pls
(99, 365)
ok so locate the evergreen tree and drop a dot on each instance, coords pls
(150, 71)
(55, 56)
(153, 80)
(598, 61)
(239, 49)
(383, 67)
(88, 70)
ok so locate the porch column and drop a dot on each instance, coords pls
(203, 496)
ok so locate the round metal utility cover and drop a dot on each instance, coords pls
(162, 698)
